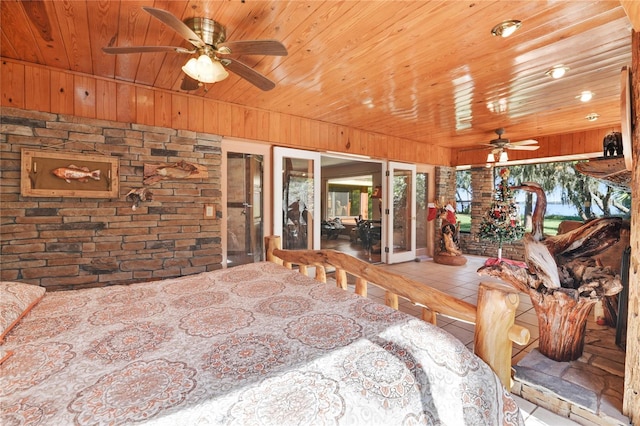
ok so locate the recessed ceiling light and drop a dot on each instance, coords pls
(368, 103)
(557, 71)
(506, 28)
(592, 117)
(585, 96)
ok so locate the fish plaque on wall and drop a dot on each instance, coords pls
(154, 173)
(65, 174)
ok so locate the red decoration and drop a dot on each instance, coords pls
(432, 212)
(492, 261)
(451, 213)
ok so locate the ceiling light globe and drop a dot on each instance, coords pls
(219, 72)
(191, 68)
(503, 157)
(205, 69)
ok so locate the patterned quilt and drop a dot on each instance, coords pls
(253, 345)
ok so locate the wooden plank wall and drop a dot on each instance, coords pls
(586, 142)
(32, 87)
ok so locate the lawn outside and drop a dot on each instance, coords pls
(550, 222)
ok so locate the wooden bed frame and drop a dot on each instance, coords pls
(493, 317)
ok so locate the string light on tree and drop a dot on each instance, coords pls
(501, 223)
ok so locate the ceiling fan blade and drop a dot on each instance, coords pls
(253, 47)
(145, 49)
(177, 25)
(522, 147)
(525, 142)
(249, 74)
(189, 83)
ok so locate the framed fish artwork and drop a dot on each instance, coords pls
(64, 174)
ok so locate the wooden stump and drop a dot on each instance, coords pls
(501, 316)
(562, 321)
(447, 259)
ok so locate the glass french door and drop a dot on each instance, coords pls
(401, 217)
(425, 187)
(245, 199)
(296, 182)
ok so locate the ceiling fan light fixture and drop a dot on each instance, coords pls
(191, 68)
(491, 158)
(219, 72)
(557, 71)
(585, 96)
(205, 70)
(503, 157)
(506, 28)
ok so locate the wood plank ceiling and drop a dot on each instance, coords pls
(428, 71)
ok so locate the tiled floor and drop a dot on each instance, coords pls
(462, 282)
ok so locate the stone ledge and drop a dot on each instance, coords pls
(564, 388)
(568, 391)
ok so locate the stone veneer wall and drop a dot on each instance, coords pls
(482, 186)
(65, 243)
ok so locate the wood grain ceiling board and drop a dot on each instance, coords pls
(19, 41)
(428, 71)
(72, 18)
(101, 36)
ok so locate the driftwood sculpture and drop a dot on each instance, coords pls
(562, 278)
(138, 195)
(154, 173)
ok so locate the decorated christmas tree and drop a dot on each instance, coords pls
(501, 223)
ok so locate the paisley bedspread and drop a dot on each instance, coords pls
(252, 345)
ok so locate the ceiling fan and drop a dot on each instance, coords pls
(214, 53)
(500, 145)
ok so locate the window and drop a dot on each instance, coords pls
(348, 201)
(464, 194)
(570, 194)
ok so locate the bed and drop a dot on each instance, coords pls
(255, 344)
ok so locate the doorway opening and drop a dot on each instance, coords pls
(246, 194)
(351, 220)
